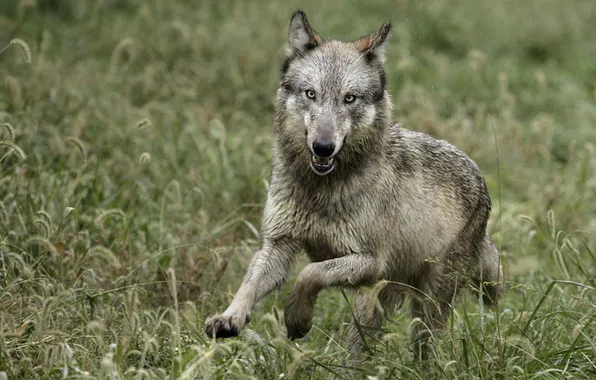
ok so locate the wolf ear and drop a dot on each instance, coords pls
(301, 36)
(373, 45)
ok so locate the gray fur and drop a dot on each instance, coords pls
(396, 205)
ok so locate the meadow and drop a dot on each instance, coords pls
(135, 145)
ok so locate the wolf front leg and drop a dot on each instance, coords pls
(348, 271)
(268, 270)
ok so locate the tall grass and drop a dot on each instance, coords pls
(134, 159)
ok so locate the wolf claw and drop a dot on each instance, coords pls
(220, 326)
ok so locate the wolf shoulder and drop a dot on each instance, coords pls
(437, 162)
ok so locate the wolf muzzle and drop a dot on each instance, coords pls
(322, 159)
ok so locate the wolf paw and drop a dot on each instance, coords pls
(298, 319)
(223, 326)
(298, 330)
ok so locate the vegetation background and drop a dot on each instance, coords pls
(134, 160)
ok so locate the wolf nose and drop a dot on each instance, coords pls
(323, 148)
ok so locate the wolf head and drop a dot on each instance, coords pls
(331, 101)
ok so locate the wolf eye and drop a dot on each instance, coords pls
(310, 94)
(349, 98)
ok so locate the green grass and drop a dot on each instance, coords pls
(134, 168)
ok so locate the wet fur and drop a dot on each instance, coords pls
(399, 206)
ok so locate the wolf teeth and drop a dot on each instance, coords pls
(322, 161)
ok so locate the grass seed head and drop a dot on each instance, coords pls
(10, 131)
(22, 45)
(145, 158)
(15, 148)
(3, 213)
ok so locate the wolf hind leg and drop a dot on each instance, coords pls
(370, 311)
(429, 317)
(439, 286)
(490, 281)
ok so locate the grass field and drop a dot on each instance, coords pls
(134, 158)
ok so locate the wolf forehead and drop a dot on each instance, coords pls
(334, 64)
(312, 60)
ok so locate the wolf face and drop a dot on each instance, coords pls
(331, 95)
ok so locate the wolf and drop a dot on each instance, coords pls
(369, 201)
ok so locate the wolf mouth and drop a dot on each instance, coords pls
(322, 165)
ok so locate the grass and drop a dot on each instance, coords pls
(134, 160)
